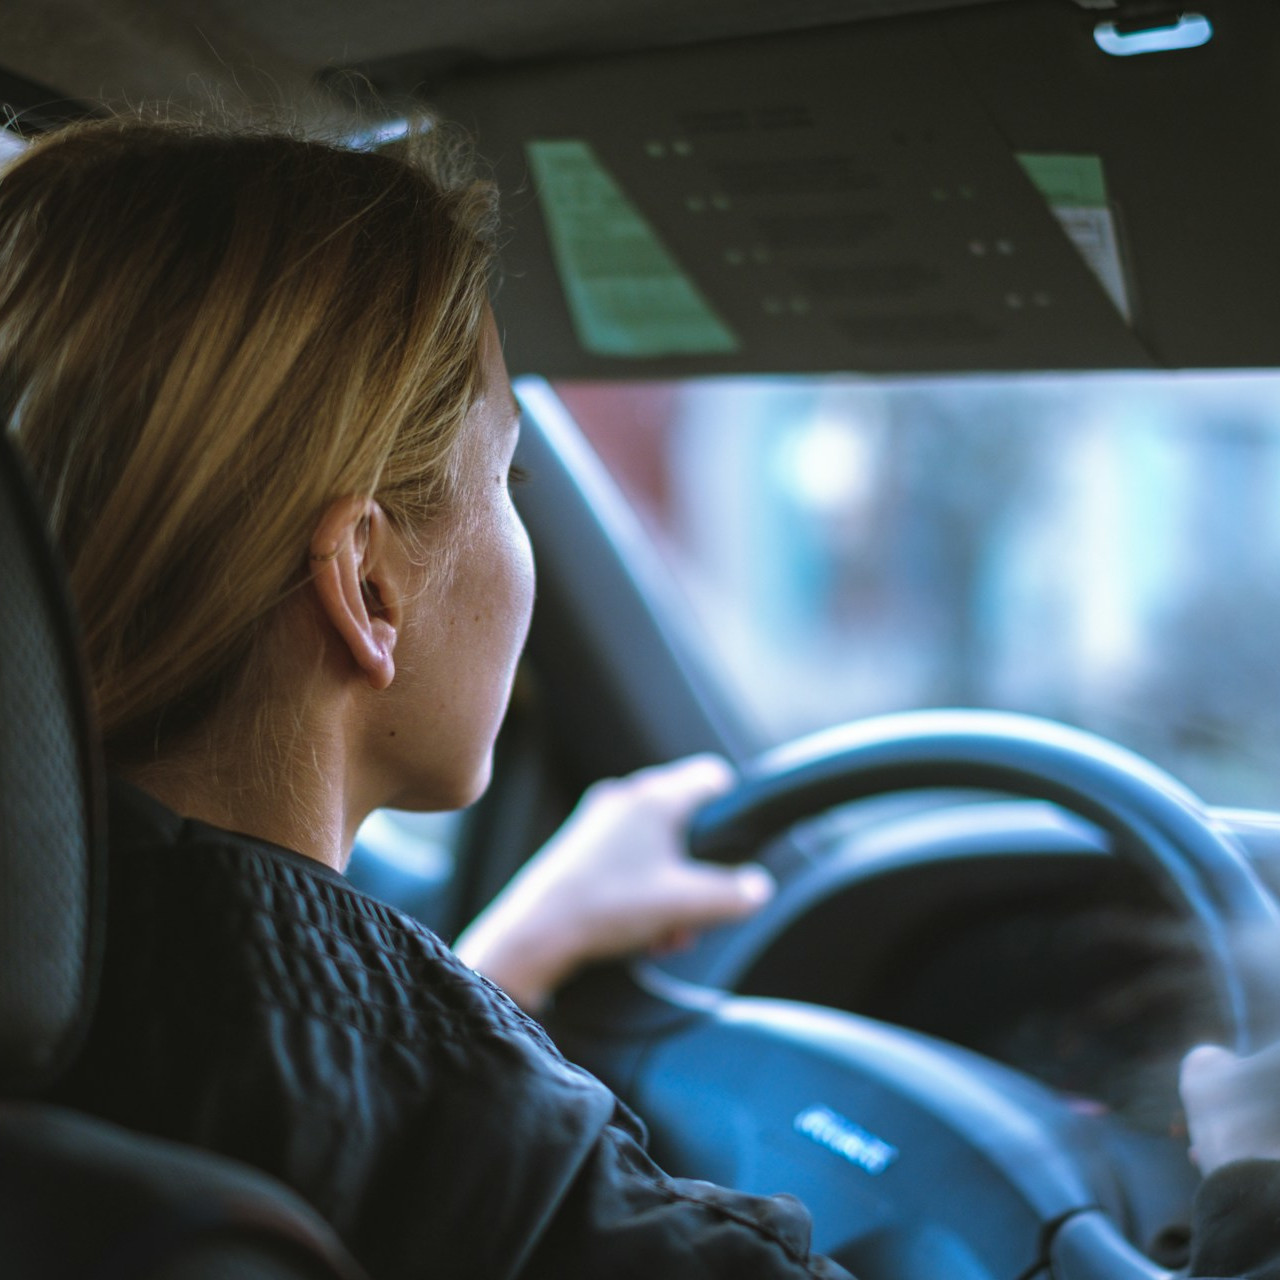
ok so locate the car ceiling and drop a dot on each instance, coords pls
(917, 102)
(97, 50)
(318, 32)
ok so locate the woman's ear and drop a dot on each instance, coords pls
(354, 569)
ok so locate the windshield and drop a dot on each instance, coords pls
(1101, 550)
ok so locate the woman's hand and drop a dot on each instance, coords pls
(615, 879)
(1232, 1105)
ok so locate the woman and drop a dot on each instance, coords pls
(260, 387)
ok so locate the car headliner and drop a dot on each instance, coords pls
(267, 50)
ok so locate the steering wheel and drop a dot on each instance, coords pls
(917, 1158)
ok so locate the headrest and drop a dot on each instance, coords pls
(51, 856)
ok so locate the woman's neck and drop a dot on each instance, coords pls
(295, 798)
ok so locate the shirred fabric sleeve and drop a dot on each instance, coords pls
(1236, 1230)
(626, 1219)
(256, 1005)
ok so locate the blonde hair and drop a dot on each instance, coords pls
(206, 336)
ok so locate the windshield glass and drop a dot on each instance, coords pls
(1101, 550)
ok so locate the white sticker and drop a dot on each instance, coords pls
(1093, 232)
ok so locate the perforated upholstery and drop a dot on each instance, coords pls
(50, 880)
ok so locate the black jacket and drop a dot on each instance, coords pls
(255, 1004)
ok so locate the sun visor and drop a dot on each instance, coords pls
(981, 190)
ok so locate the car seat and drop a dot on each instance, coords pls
(80, 1197)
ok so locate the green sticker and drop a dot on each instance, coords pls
(1072, 180)
(627, 295)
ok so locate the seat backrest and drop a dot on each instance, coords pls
(84, 1198)
(51, 873)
